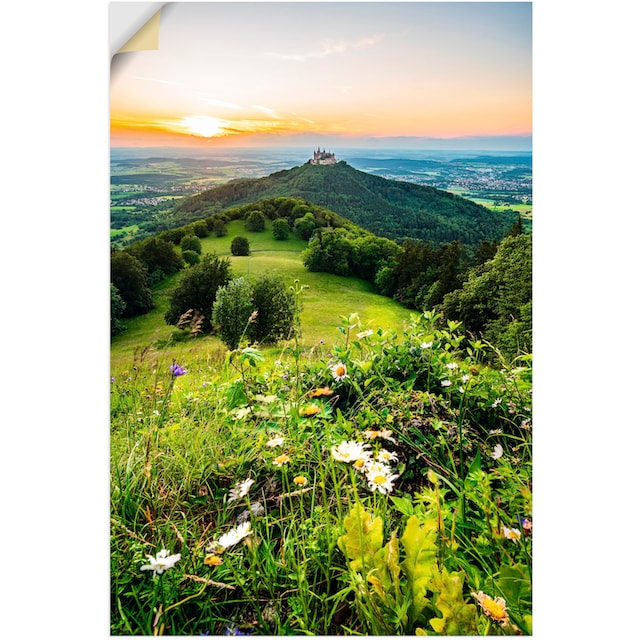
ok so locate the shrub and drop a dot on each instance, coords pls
(280, 229)
(232, 310)
(197, 289)
(275, 304)
(129, 276)
(118, 306)
(240, 246)
(255, 221)
(190, 257)
(190, 243)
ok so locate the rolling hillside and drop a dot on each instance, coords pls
(388, 208)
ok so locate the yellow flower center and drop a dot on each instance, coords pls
(300, 480)
(379, 479)
(340, 370)
(494, 609)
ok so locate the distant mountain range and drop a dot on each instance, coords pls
(389, 208)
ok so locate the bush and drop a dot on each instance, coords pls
(190, 257)
(190, 243)
(255, 221)
(197, 289)
(232, 310)
(118, 306)
(275, 304)
(280, 229)
(129, 276)
(240, 246)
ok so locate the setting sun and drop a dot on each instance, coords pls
(203, 126)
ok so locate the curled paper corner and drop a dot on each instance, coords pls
(146, 38)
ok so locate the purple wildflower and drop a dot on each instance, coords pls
(177, 370)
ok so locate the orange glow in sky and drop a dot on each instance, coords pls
(233, 74)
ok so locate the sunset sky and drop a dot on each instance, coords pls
(255, 74)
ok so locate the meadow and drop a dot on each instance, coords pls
(370, 476)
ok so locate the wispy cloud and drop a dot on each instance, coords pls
(214, 102)
(330, 48)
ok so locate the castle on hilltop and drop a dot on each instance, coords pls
(323, 157)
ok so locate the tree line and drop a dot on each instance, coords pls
(487, 288)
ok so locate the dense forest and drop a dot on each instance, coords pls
(388, 208)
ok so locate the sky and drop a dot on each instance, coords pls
(355, 74)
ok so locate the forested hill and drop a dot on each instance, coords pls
(388, 208)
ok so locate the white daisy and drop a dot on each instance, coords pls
(275, 441)
(497, 452)
(240, 490)
(339, 371)
(349, 451)
(161, 562)
(385, 456)
(380, 478)
(235, 535)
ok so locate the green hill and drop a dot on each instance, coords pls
(388, 208)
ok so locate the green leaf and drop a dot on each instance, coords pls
(363, 538)
(458, 617)
(419, 542)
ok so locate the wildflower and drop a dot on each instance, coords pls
(233, 537)
(497, 452)
(526, 525)
(496, 403)
(177, 370)
(339, 371)
(349, 451)
(465, 378)
(213, 560)
(446, 383)
(324, 391)
(360, 463)
(281, 460)
(301, 481)
(385, 434)
(364, 334)
(385, 456)
(452, 365)
(240, 490)
(309, 410)
(511, 534)
(426, 345)
(496, 609)
(161, 562)
(380, 478)
(275, 441)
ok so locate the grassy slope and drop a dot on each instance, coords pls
(327, 299)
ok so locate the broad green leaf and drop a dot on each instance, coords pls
(419, 542)
(363, 538)
(458, 617)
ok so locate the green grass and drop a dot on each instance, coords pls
(325, 553)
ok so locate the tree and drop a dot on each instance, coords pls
(197, 289)
(255, 221)
(158, 256)
(190, 243)
(219, 227)
(496, 299)
(231, 311)
(129, 276)
(305, 225)
(275, 303)
(200, 229)
(240, 246)
(280, 229)
(118, 306)
(190, 257)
